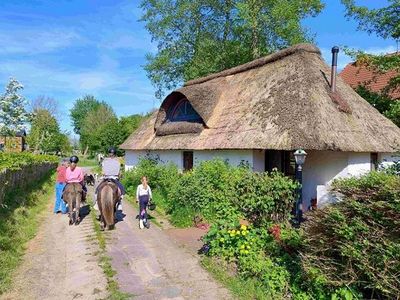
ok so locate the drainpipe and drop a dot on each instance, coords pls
(335, 51)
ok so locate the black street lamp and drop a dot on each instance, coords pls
(300, 157)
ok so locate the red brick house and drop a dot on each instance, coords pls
(355, 75)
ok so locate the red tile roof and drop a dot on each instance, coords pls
(355, 75)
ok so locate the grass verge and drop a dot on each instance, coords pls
(85, 162)
(105, 264)
(240, 288)
(20, 217)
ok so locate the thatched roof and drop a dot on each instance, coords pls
(282, 101)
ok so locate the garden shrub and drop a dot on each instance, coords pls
(265, 197)
(161, 177)
(14, 161)
(356, 242)
(215, 191)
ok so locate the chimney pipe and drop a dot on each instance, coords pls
(335, 51)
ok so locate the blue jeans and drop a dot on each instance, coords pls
(60, 204)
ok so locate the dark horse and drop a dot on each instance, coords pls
(72, 195)
(107, 198)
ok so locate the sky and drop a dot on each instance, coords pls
(66, 49)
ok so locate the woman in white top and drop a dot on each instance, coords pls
(143, 196)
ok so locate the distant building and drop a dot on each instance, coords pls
(356, 75)
(15, 143)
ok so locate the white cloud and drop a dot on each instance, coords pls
(35, 41)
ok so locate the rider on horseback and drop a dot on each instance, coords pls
(111, 170)
(74, 174)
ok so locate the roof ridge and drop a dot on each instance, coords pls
(303, 47)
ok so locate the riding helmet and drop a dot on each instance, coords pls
(74, 159)
(112, 150)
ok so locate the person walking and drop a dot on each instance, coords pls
(61, 181)
(143, 196)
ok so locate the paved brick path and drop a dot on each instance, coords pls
(151, 265)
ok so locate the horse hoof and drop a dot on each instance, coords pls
(70, 222)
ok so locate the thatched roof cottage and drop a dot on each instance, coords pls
(262, 111)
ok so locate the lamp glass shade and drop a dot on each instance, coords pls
(300, 156)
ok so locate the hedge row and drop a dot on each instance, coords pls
(15, 161)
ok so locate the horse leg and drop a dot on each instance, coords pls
(102, 222)
(77, 211)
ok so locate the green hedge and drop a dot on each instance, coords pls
(214, 190)
(16, 161)
(356, 242)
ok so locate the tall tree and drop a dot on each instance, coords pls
(45, 135)
(48, 103)
(81, 109)
(198, 37)
(13, 115)
(93, 126)
(385, 23)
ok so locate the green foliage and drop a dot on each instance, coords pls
(196, 38)
(387, 106)
(20, 217)
(263, 197)
(45, 135)
(99, 127)
(15, 161)
(384, 22)
(216, 191)
(356, 242)
(81, 109)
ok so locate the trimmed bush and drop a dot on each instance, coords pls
(356, 242)
(214, 190)
(15, 161)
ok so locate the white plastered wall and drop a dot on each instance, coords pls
(322, 167)
(132, 157)
(234, 157)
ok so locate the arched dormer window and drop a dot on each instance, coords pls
(183, 111)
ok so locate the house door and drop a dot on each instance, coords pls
(187, 160)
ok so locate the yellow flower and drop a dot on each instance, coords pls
(237, 232)
(244, 232)
(248, 247)
(222, 240)
(243, 227)
(242, 247)
(232, 234)
(246, 251)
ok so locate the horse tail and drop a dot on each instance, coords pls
(107, 201)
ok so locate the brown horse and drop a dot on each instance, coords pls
(107, 198)
(72, 195)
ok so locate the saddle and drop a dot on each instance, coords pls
(107, 179)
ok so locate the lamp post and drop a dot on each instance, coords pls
(300, 157)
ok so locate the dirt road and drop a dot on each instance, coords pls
(61, 262)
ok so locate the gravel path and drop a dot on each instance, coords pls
(151, 265)
(60, 263)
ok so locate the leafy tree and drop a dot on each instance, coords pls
(385, 23)
(45, 135)
(93, 126)
(390, 108)
(128, 125)
(81, 109)
(47, 103)
(198, 37)
(13, 115)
